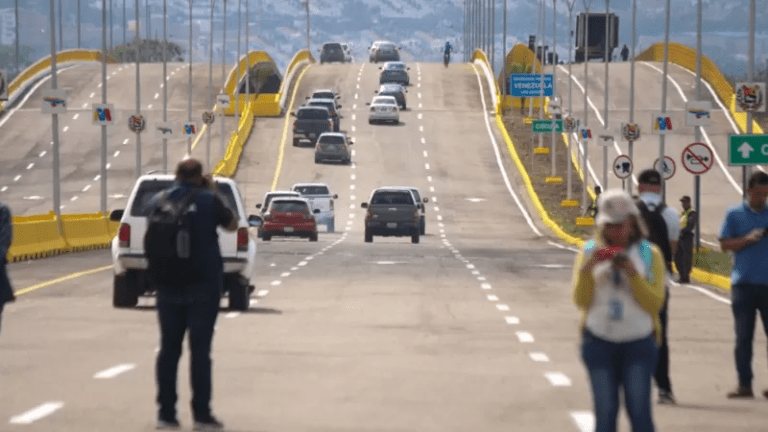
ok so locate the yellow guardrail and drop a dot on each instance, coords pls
(74, 55)
(228, 164)
(686, 57)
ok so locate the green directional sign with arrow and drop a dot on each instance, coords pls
(545, 126)
(748, 150)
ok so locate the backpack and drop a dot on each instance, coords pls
(657, 229)
(167, 243)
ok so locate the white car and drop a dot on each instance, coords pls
(238, 249)
(320, 198)
(383, 109)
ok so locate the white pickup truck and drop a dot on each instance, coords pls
(320, 198)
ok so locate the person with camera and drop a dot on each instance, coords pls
(744, 233)
(618, 284)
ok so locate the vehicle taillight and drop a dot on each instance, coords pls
(242, 240)
(294, 123)
(124, 235)
(415, 213)
(267, 216)
(308, 216)
(368, 214)
(330, 124)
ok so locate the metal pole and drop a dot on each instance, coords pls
(16, 25)
(55, 129)
(236, 93)
(189, 85)
(533, 70)
(308, 46)
(569, 192)
(210, 91)
(464, 40)
(165, 81)
(504, 52)
(248, 58)
(554, 83)
(78, 24)
(125, 25)
(631, 144)
(750, 78)
(664, 96)
(61, 37)
(585, 164)
(483, 26)
(697, 179)
(493, 35)
(541, 71)
(138, 92)
(149, 21)
(111, 25)
(607, 87)
(223, 77)
(103, 167)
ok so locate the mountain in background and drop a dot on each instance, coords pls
(420, 27)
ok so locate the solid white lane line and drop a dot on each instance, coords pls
(704, 291)
(512, 320)
(558, 379)
(37, 413)
(584, 420)
(539, 357)
(114, 371)
(524, 337)
(492, 298)
(502, 307)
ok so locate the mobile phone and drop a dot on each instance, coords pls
(608, 252)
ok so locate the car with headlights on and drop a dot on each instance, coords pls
(333, 146)
(383, 110)
(290, 217)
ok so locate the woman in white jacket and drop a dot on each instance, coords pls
(618, 284)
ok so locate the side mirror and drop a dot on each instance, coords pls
(426, 200)
(376, 91)
(258, 206)
(350, 142)
(335, 196)
(368, 103)
(379, 67)
(293, 114)
(116, 215)
(255, 221)
(307, 97)
(408, 68)
(364, 205)
(316, 211)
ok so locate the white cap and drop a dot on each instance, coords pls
(615, 206)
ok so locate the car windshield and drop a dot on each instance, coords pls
(394, 66)
(270, 197)
(332, 47)
(150, 188)
(323, 95)
(328, 105)
(392, 197)
(283, 206)
(387, 46)
(312, 114)
(416, 195)
(331, 139)
(312, 190)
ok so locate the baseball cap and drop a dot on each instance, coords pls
(615, 206)
(649, 177)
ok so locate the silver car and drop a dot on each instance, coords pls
(333, 146)
(385, 51)
(383, 109)
(394, 72)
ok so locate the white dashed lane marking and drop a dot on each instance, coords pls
(37, 413)
(276, 283)
(74, 117)
(558, 379)
(262, 293)
(524, 337)
(584, 420)
(493, 298)
(539, 357)
(511, 319)
(114, 371)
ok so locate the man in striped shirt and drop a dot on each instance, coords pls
(6, 235)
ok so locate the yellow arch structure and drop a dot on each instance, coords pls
(67, 56)
(686, 57)
(266, 104)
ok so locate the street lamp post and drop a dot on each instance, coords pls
(61, 34)
(125, 25)
(78, 24)
(306, 4)
(569, 174)
(504, 52)
(103, 167)
(236, 93)
(189, 82)
(608, 49)
(697, 136)
(750, 77)
(543, 19)
(554, 83)
(55, 129)
(585, 45)
(631, 143)
(165, 81)
(664, 96)
(210, 89)
(16, 25)
(138, 93)
(223, 77)
(248, 58)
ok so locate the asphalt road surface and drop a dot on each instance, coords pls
(473, 329)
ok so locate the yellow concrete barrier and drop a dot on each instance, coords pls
(86, 231)
(35, 236)
(227, 166)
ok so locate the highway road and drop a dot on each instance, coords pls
(26, 177)
(473, 329)
(720, 186)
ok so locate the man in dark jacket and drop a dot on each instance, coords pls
(193, 307)
(6, 235)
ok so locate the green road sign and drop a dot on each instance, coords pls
(545, 126)
(748, 150)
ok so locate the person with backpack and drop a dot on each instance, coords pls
(663, 224)
(743, 233)
(618, 284)
(185, 264)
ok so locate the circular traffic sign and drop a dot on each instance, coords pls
(136, 123)
(667, 169)
(697, 158)
(208, 117)
(570, 124)
(622, 166)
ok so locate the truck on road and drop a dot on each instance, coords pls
(596, 46)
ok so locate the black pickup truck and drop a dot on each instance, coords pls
(392, 212)
(310, 122)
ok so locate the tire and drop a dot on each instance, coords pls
(422, 226)
(296, 142)
(317, 159)
(415, 238)
(313, 237)
(331, 225)
(368, 236)
(266, 237)
(370, 121)
(405, 107)
(239, 293)
(125, 291)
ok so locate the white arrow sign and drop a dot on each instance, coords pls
(745, 149)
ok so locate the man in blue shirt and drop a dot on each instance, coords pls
(193, 308)
(448, 48)
(744, 233)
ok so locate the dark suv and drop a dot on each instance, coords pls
(395, 90)
(332, 52)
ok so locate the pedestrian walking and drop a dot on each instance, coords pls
(618, 284)
(195, 306)
(684, 255)
(6, 236)
(663, 224)
(744, 234)
(624, 53)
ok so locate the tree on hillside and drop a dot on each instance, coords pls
(151, 51)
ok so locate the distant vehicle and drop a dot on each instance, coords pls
(421, 203)
(311, 121)
(333, 109)
(383, 109)
(290, 217)
(391, 211)
(333, 146)
(596, 46)
(319, 197)
(332, 52)
(385, 51)
(238, 249)
(395, 90)
(324, 94)
(394, 72)
(372, 50)
(268, 197)
(347, 53)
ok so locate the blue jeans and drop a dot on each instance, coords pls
(615, 364)
(746, 301)
(175, 319)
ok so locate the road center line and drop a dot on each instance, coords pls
(524, 337)
(37, 413)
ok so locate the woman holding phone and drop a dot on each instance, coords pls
(618, 284)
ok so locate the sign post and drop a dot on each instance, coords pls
(623, 167)
(529, 85)
(570, 125)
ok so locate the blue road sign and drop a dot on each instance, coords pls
(529, 85)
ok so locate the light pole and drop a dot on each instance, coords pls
(61, 37)
(78, 24)
(631, 143)
(664, 96)
(585, 45)
(125, 25)
(504, 52)
(16, 25)
(554, 84)
(569, 174)
(111, 26)
(149, 20)
(236, 93)
(55, 129)
(138, 92)
(697, 129)
(248, 58)
(103, 167)
(165, 81)
(210, 90)
(223, 77)
(189, 84)
(493, 34)
(750, 77)
(608, 49)
(542, 17)
(306, 4)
